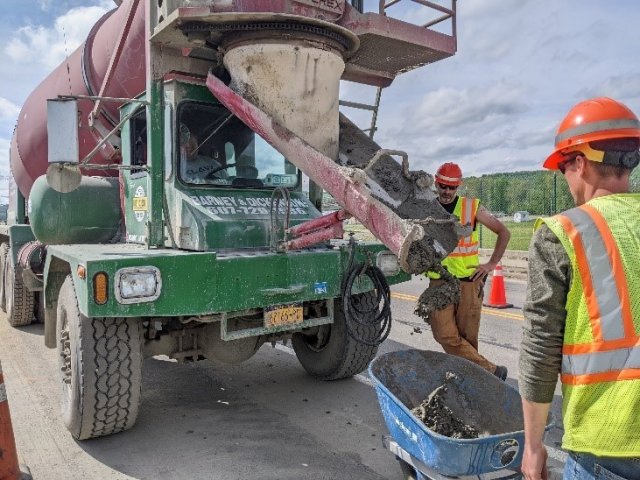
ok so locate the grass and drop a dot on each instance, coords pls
(520, 234)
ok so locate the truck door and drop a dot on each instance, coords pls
(136, 204)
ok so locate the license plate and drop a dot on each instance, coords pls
(282, 315)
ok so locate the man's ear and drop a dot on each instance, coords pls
(582, 166)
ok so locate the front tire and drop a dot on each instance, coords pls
(100, 361)
(331, 353)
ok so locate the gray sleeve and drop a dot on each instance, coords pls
(544, 316)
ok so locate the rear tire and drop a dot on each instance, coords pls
(20, 301)
(332, 353)
(100, 361)
(4, 252)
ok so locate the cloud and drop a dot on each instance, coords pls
(8, 109)
(617, 86)
(4, 168)
(45, 5)
(50, 45)
(449, 109)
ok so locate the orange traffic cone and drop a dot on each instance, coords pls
(497, 297)
(9, 468)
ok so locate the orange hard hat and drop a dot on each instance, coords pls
(589, 121)
(449, 174)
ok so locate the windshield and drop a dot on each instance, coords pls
(216, 148)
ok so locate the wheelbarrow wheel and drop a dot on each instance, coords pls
(329, 352)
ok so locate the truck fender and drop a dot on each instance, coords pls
(55, 272)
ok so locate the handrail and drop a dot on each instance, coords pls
(449, 13)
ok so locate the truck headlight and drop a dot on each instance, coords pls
(137, 284)
(388, 263)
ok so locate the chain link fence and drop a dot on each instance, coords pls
(518, 199)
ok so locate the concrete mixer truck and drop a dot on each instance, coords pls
(157, 201)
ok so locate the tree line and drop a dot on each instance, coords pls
(540, 192)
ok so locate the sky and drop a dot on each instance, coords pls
(492, 107)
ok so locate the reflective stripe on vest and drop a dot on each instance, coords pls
(466, 246)
(464, 258)
(615, 351)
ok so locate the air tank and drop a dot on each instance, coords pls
(89, 214)
(82, 73)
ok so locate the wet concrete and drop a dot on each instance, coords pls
(438, 297)
(409, 194)
(437, 416)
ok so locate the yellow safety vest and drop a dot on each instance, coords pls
(464, 259)
(601, 350)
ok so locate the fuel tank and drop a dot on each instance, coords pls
(89, 214)
(82, 73)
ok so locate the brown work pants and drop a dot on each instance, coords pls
(456, 327)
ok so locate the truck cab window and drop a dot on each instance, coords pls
(139, 140)
(216, 148)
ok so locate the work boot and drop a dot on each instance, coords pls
(501, 372)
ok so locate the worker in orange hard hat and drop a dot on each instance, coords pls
(456, 327)
(582, 313)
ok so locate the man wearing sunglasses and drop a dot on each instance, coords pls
(582, 313)
(456, 327)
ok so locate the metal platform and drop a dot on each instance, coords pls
(378, 46)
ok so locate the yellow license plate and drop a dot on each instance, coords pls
(282, 315)
(140, 204)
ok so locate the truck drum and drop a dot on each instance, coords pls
(89, 214)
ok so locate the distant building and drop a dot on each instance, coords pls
(521, 216)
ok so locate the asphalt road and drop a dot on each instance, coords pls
(263, 419)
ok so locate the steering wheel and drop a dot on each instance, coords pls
(212, 174)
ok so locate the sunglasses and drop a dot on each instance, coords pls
(562, 166)
(442, 186)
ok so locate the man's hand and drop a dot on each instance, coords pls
(534, 463)
(482, 270)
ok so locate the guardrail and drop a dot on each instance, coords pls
(514, 262)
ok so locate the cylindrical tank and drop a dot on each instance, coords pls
(81, 74)
(296, 82)
(89, 214)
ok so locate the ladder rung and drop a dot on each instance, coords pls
(362, 106)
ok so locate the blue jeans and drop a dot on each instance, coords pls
(584, 466)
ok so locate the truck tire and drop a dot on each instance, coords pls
(332, 353)
(39, 307)
(20, 302)
(4, 251)
(100, 361)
